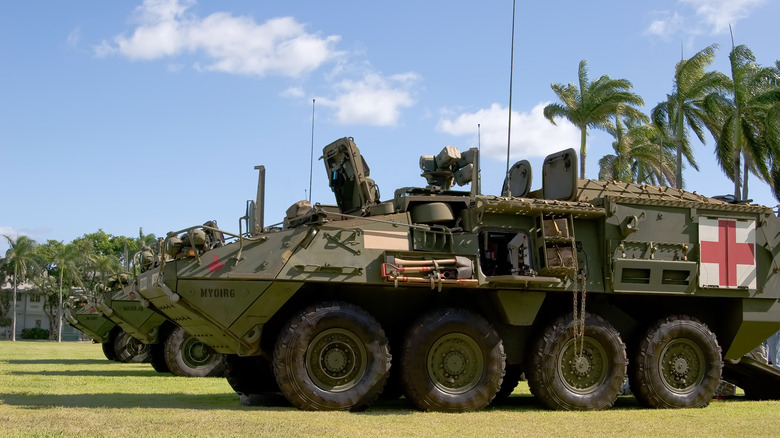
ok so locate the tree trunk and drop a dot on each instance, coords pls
(59, 311)
(583, 151)
(745, 170)
(13, 306)
(678, 175)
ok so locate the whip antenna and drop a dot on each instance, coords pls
(511, 71)
(311, 159)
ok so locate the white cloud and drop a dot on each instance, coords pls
(236, 45)
(532, 134)
(709, 16)
(74, 37)
(373, 100)
(293, 92)
(665, 24)
(718, 14)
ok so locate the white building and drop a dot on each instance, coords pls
(30, 314)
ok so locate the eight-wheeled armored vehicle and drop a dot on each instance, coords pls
(447, 296)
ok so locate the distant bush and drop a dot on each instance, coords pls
(35, 333)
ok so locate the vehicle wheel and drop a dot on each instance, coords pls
(332, 356)
(677, 365)
(187, 356)
(562, 379)
(129, 349)
(452, 361)
(249, 375)
(108, 350)
(157, 356)
(512, 377)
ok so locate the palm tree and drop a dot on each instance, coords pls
(643, 154)
(592, 104)
(21, 254)
(746, 125)
(68, 259)
(683, 107)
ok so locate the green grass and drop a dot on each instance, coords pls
(69, 389)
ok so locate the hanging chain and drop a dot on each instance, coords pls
(578, 305)
(579, 314)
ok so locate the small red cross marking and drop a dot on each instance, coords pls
(727, 253)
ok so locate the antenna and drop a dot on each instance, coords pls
(479, 138)
(511, 72)
(311, 159)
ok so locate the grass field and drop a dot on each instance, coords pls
(70, 389)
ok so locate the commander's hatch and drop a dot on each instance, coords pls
(559, 176)
(348, 176)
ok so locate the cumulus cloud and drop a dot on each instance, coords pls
(232, 44)
(718, 14)
(709, 16)
(532, 134)
(665, 24)
(374, 99)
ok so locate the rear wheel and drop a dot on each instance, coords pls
(332, 356)
(130, 349)
(562, 378)
(249, 375)
(452, 361)
(187, 356)
(677, 365)
(108, 350)
(157, 355)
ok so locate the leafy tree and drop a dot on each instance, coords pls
(20, 255)
(683, 108)
(592, 104)
(46, 287)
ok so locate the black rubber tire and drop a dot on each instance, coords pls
(560, 381)
(108, 350)
(332, 356)
(677, 347)
(157, 358)
(452, 361)
(512, 377)
(129, 349)
(250, 375)
(187, 356)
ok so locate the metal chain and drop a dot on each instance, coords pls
(578, 307)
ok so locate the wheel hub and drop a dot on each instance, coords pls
(679, 367)
(585, 372)
(336, 360)
(682, 365)
(581, 365)
(455, 363)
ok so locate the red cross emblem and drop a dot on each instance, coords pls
(727, 253)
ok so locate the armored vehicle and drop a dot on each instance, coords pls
(447, 295)
(82, 314)
(171, 349)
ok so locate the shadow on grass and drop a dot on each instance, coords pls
(123, 401)
(96, 373)
(58, 361)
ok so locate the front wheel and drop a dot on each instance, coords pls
(332, 356)
(677, 364)
(129, 349)
(586, 373)
(452, 361)
(187, 356)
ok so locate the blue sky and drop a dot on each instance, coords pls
(120, 115)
